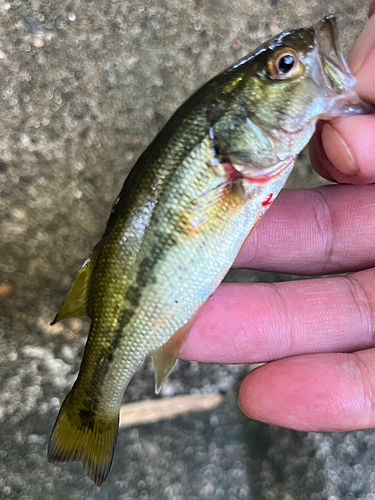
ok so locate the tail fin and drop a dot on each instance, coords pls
(83, 436)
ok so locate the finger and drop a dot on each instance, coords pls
(361, 60)
(344, 149)
(315, 231)
(243, 323)
(319, 392)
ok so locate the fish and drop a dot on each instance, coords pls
(185, 210)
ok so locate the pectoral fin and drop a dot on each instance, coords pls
(210, 204)
(75, 303)
(204, 207)
(165, 358)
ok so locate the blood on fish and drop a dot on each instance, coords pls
(268, 200)
(231, 172)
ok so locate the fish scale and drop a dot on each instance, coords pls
(183, 214)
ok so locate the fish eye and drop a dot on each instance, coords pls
(283, 64)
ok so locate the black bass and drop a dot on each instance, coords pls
(184, 211)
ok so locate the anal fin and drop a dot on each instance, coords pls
(165, 358)
(75, 303)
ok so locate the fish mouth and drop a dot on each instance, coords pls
(336, 73)
(332, 75)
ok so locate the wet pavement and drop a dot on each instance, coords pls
(85, 86)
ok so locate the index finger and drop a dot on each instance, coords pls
(343, 150)
(252, 323)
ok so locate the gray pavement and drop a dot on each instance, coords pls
(85, 86)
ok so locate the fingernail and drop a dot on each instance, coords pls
(336, 148)
(243, 411)
(363, 46)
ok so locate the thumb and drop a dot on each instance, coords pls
(343, 149)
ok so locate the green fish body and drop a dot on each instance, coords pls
(184, 211)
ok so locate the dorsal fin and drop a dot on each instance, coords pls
(165, 358)
(75, 303)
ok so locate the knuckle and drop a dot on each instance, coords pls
(324, 225)
(363, 303)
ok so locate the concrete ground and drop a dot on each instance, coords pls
(85, 86)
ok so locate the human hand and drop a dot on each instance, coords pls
(317, 335)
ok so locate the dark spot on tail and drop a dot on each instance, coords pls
(86, 417)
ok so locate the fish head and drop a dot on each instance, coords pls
(293, 80)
